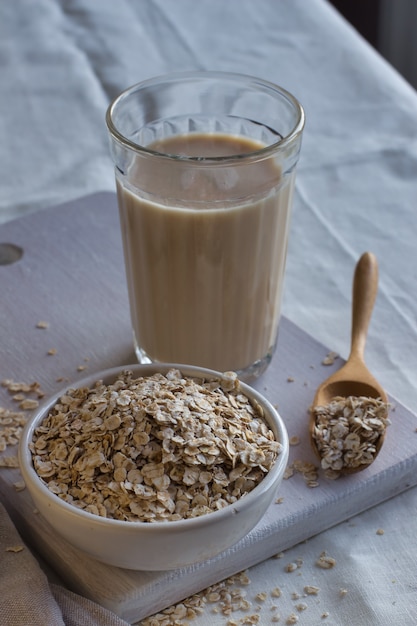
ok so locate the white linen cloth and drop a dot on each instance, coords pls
(60, 65)
(28, 598)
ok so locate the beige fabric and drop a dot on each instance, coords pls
(27, 597)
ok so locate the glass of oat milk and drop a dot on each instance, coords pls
(205, 166)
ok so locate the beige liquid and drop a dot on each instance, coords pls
(205, 260)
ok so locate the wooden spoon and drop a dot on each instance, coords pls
(354, 378)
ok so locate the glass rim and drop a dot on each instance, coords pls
(259, 154)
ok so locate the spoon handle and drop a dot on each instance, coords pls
(365, 286)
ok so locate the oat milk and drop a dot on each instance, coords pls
(205, 255)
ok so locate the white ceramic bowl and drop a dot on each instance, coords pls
(157, 545)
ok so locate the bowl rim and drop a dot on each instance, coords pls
(34, 481)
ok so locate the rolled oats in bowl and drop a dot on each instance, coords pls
(125, 453)
(154, 448)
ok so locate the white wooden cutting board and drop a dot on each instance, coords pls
(71, 276)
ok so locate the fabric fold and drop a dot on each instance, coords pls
(26, 596)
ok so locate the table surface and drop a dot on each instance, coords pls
(60, 65)
(93, 332)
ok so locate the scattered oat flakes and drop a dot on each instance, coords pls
(279, 555)
(52, 351)
(291, 567)
(261, 596)
(14, 387)
(290, 379)
(174, 615)
(15, 548)
(19, 485)
(28, 404)
(213, 596)
(294, 440)
(343, 592)
(325, 562)
(81, 368)
(330, 358)
(380, 531)
(42, 324)
(289, 471)
(11, 426)
(279, 500)
(276, 592)
(309, 471)
(242, 578)
(226, 598)
(9, 461)
(251, 619)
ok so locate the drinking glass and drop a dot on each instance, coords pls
(205, 166)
